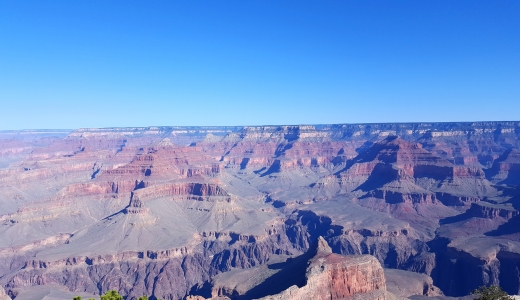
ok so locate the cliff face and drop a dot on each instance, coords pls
(405, 284)
(317, 274)
(335, 277)
(162, 210)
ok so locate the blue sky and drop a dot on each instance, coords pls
(70, 64)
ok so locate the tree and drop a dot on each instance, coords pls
(111, 295)
(493, 292)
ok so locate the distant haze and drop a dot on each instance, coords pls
(69, 64)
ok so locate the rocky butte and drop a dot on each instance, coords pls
(346, 211)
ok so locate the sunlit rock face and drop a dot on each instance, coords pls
(317, 274)
(163, 210)
(333, 276)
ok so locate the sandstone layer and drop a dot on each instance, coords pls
(317, 274)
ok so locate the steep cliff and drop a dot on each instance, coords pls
(331, 276)
(317, 274)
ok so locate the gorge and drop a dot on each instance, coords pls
(178, 212)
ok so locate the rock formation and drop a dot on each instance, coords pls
(332, 276)
(404, 284)
(3, 295)
(317, 274)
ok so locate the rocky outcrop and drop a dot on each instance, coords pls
(3, 295)
(331, 276)
(506, 168)
(405, 284)
(456, 200)
(317, 274)
(394, 197)
(491, 211)
(198, 191)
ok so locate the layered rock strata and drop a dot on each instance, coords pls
(162, 210)
(332, 276)
(317, 274)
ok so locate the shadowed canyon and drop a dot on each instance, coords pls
(361, 211)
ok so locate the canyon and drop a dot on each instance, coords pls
(377, 211)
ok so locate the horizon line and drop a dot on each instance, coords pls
(265, 125)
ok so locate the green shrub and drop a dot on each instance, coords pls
(112, 295)
(493, 292)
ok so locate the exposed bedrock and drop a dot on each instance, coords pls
(167, 279)
(393, 197)
(141, 189)
(509, 276)
(187, 190)
(491, 211)
(332, 276)
(456, 200)
(248, 253)
(463, 266)
(506, 168)
(172, 275)
(3, 295)
(164, 274)
(404, 284)
(96, 188)
(393, 249)
(316, 274)
(457, 273)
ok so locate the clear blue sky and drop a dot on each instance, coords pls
(70, 64)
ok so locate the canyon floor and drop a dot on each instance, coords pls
(398, 211)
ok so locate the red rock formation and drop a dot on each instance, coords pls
(325, 276)
(197, 191)
(332, 276)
